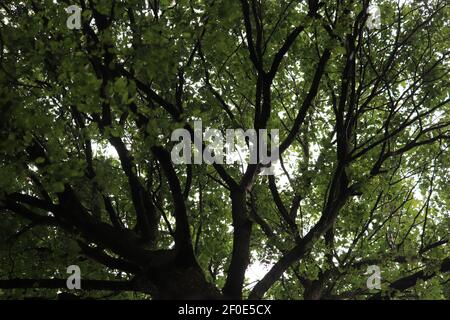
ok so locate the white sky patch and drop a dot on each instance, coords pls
(104, 150)
(256, 272)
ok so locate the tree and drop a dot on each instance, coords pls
(86, 175)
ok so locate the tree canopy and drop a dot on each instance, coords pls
(87, 179)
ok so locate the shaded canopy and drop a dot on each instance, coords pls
(86, 176)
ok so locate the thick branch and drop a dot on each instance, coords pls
(183, 242)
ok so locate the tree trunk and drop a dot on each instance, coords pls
(179, 282)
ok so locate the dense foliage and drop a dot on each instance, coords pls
(86, 176)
